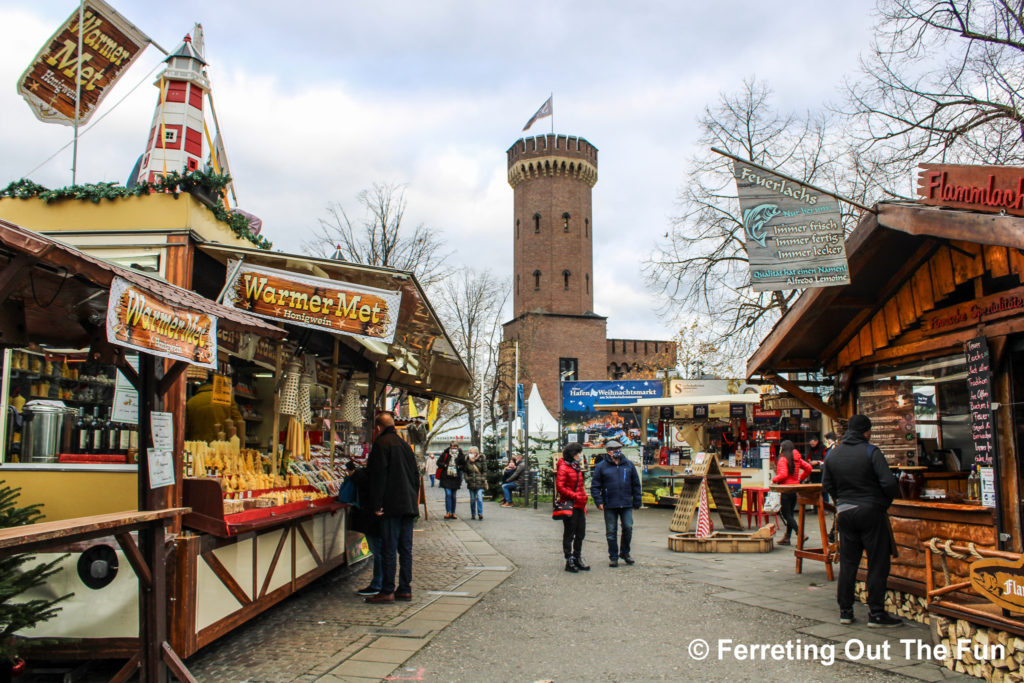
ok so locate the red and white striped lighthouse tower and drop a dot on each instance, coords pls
(176, 136)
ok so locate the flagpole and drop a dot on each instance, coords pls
(78, 90)
(551, 99)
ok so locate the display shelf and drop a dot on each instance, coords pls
(206, 499)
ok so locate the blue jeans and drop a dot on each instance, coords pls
(431, 481)
(476, 502)
(507, 489)
(396, 539)
(449, 500)
(611, 527)
(374, 543)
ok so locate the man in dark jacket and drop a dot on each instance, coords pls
(394, 484)
(615, 486)
(858, 478)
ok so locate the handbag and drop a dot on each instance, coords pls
(772, 502)
(561, 509)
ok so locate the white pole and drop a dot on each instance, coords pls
(5, 390)
(78, 90)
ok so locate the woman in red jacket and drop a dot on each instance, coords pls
(790, 468)
(570, 487)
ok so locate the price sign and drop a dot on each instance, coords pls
(979, 387)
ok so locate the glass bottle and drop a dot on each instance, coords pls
(99, 431)
(974, 484)
(84, 427)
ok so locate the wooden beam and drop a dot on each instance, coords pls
(135, 559)
(127, 370)
(273, 562)
(171, 375)
(808, 398)
(127, 671)
(309, 543)
(176, 666)
(225, 577)
(11, 275)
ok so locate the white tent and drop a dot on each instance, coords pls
(540, 422)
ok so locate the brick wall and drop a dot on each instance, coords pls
(552, 177)
(544, 339)
(638, 358)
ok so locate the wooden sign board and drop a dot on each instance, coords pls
(141, 320)
(313, 302)
(991, 189)
(971, 313)
(1001, 582)
(110, 44)
(221, 394)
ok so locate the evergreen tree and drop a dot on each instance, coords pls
(15, 579)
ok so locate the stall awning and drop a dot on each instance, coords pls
(883, 251)
(421, 349)
(683, 401)
(61, 288)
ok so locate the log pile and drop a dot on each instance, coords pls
(1002, 653)
(901, 604)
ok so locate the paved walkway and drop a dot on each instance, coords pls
(491, 602)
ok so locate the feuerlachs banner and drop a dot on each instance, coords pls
(314, 302)
(140, 320)
(110, 43)
(794, 236)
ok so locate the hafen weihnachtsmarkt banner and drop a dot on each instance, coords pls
(580, 415)
(110, 44)
(794, 235)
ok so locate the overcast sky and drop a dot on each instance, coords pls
(318, 100)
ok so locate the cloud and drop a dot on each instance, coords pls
(318, 101)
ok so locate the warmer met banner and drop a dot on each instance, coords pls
(317, 303)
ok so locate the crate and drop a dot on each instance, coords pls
(721, 542)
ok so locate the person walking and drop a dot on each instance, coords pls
(366, 522)
(394, 488)
(475, 468)
(449, 472)
(615, 486)
(859, 479)
(513, 475)
(570, 488)
(430, 467)
(790, 469)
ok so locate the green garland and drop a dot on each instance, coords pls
(205, 183)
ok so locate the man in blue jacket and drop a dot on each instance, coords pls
(615, 486)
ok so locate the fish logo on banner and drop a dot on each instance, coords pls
(794, 234)
(52, 83)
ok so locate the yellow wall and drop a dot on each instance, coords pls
(149, 212)
(66, 495)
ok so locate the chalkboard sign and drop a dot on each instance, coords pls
(700, 412)
(979, 386)
(737, 410)
(666, 412)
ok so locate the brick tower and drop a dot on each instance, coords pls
(553, 287)
(176, 136)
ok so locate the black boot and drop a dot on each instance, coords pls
(579, 564)
(570, 565)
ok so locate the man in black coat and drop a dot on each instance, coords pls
(858, 478)
(394, 485)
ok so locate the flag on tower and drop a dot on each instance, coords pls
(703, 513)
(545, 110)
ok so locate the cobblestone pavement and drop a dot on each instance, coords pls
(326, 631)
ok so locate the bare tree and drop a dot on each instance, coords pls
(471, 305)
(381, 238)
(942, 83)
(701, 267)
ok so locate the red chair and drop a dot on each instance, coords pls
(754, 502)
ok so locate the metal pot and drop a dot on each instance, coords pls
(46, 431)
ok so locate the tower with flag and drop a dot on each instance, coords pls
(176, 136)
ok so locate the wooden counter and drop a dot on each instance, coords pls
(915, 522)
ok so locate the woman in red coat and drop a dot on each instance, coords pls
(570, 487)
(790, 468)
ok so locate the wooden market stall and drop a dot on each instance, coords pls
(235, 557)
(55, 299)
(927, 341)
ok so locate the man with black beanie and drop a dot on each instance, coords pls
(858, 478)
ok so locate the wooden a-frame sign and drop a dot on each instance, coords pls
(689, 497)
